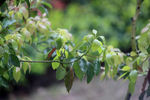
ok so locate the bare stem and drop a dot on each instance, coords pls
(134, 19)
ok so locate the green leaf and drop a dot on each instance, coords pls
(97, 67)
(124, 74)
(8, 23)
(126, 68)
(133, 76)
(60, 73)
(55, 65)
(1, 51)
(13, 60)
(25, 66)
(106, 68)
(5, 58)
(96, 44)
(102, 38)
(69, 80)
(1, 39)
(102, 76)
(78, 72)
(3, 83)
(90, 72)
(131, 87)
(148, 49)
(133, 54)
(88, 38)
(17, 2)
(83, 65)
(28, 3)
(59, 43)
(47, 4)
(17, 74)
(6, 76)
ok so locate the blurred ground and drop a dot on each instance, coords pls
(96, 90)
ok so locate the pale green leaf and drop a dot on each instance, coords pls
(17, 74)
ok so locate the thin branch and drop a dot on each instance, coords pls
(62, 62)
(134, 19)
(145, 81)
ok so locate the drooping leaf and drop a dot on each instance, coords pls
(59, 43)
(55, 65)
(3, 83)
(102, 76)
(69, 80)
(78, 72)
(5, 58)
(83, 65)
(96, 44)
(133, 76)
(17, 74)
(106, 68)
(28, 3)
(97, 67)
(131, 87)
(25, 66)
(17, 2)
(1, 51)
(90, 72)
(60, 73)
(13, 60)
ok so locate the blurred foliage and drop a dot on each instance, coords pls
(111, 18)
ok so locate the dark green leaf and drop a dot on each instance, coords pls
(17, 2)
(78, 71)
(60, 73)
(69, 80)
(59, 43)
(1, 51)
(47, 4)
(90, 72)
(5, 58)
(97, 67)
(2, 70)
(3, 83)
(83, 65)
(13, 60)
(148, 50)
(28, 3)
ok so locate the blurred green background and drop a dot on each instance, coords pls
(112, 18)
